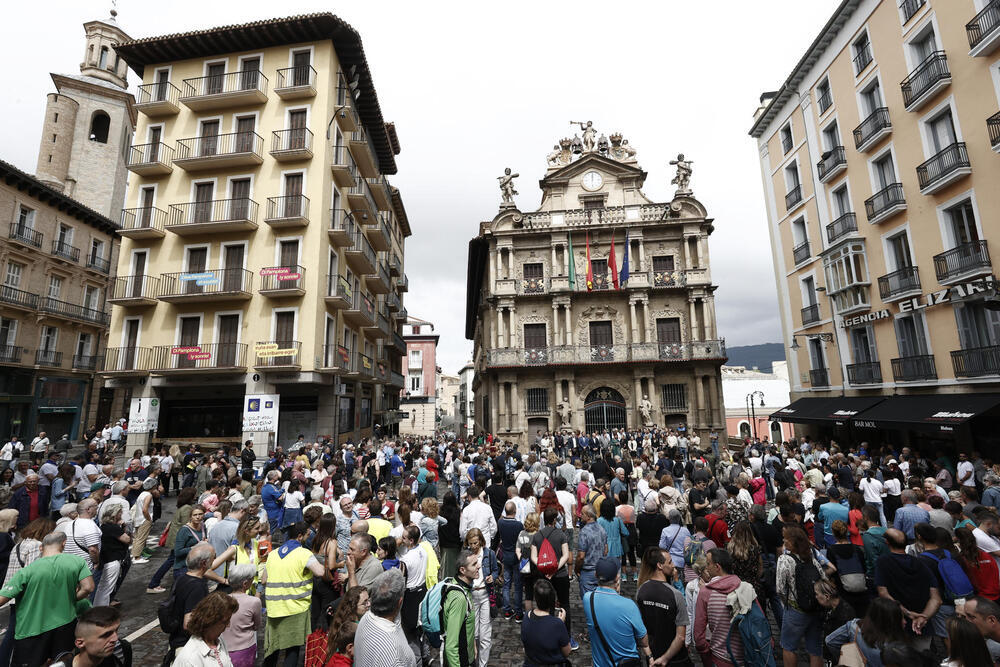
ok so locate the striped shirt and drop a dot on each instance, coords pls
(24, 553)
(381, 643)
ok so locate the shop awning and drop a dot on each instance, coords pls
(831, 409)
(937, 412)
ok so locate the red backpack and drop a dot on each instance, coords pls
(548, 562)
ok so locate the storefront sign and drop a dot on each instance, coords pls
(260, 413)
(846, 322)
(955, 293)
(143, 415)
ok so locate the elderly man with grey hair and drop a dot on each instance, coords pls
(991, 494)
(117, 497)
(224, 532)
(189, 589)
(83, 537)
(380, 639)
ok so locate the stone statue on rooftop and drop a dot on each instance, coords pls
(589, 134)
(683, 177)
(507, 190)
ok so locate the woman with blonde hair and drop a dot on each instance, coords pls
(244, 551)
(523, 550)
(431, 521)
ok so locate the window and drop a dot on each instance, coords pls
(675, 397)
(55, 287)
(885, 172)
(809, 291)
(83, 345)
(846, 267)
(50, 336)
(961, 220)
(792, 177)
(941, 131)
(601, 334)
(25, 219)
(534, 336)
(65, 235)
(862, 49)
(871, 98)
(668, 330)
(599, 267)
(910, 337)
(345, 418)
(923, 46)
(863, 345)
(831, 136)
(8, 331)
(786, 138)
(366, 412)
(899, 252)
(103, 62)
(817, 358)
(14, 272)
(663, 263)
(100, 125)
(800, 233)
(416, 329)
(91, 297)
(416, 359)
(416, 384)
(537, 401)
(977, 326)
(96, 250)
(533, 271)
(841, 201)
(823, 96)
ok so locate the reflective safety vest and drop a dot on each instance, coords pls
(288, 590)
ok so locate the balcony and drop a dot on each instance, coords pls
(213, 216)
(219, 151)
(199, 358)
(143, 223)
(395, 266)
(73, 311)
(361, 311)
(914, 369)
(862, 59)
(513, 357)
(976, 362)
(48, 358)
(347, 116)
(381, 329)
(236, 89)
(872, 129)
(205, 286)
(909, 8)
(392, 302)
(800, 253)
(993, 127)
(535, 285)
(283, 281)
(64, 251)
(841, 227)
(377, 230)
(295, 83)
(365, 367)
(403, 283)
(378, 282)
(898, 284)
(949, 165)
(134, 291)
(885, 203)
(126, 360)
(362, 151)
(360, 255)
(825, 101)
(99, 264)
(342, 227)
(924, 82)
(381, 372)
(277, 355)
(793, 198)
(396, 379)
(811, 314)
(336, 359)
(966, 260)
(292, 145)
(338, 292)
(786, 142)
(11, 354)
(869, 372)
(150, 159)
(86, 362)
(401, 315)
(819, 377)
(345, 172)
(25, 235)
(12, 297)
(834, 162)
(382, 192)
(287, 211)
(158, 99)
(359, 196)
(398, 343)
(983, 31)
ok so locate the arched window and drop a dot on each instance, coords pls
(103, 62)
(100, 124)
(604, 408)
(90, 55)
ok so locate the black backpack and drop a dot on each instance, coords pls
(169, 621)
(806, 576)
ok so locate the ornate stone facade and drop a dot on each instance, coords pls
(551, 352)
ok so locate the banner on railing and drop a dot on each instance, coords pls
(281, 272)
(203, 278)
(264, 350)
(260, 413)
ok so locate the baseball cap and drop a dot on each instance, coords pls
(98, 486)
(607, 569)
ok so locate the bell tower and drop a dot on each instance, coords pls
(88, 124)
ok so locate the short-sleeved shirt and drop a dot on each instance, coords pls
(112, 548)
(557, 539)
(46, 593)
(81, 534)
(620, 623)
(592, 541)
(188, 592)
(696, 495)
(543, 638)
(662, 607)
(907, 578)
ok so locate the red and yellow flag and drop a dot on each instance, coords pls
(613, 262)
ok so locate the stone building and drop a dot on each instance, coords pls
(466, 400)
(418, 400)
(558, 345)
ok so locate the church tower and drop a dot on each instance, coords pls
(88, 124)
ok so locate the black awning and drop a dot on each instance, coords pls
(937, 412)
(831, 409)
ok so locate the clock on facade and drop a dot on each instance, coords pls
(592, 180)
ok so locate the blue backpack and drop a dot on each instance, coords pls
(432, 609)
(755, 633)
(956, 582)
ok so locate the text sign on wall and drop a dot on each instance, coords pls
(260, 413)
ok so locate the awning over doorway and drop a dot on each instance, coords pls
(937, 412)
(828, 410)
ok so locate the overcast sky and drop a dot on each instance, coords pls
(474, 87)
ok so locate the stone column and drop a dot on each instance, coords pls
(555, 325)
(635, 326)
(642, 256)
(552, 268)
(500, 337)
(493, 270)
(638, 398)
(694, 320)
(708, 313)
(569, 323)
(510, 262)
(515, 407)
(701, 250)
(716, 418)
(700, 394)
(493, 330)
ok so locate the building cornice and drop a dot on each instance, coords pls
(27, 183)
(62, 81)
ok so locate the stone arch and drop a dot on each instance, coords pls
(100, 126)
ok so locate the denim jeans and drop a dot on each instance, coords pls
(588, 582)
(881, 512)
(165, 567)
(512, 580)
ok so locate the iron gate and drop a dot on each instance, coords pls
(604, 409)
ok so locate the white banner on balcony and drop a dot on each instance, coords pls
(260, 413)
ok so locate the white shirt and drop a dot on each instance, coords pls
(39, 445)
(123, 503)
(166, 463)
(416, 566)
(137, 518)
(7, 452)
(986, 542)
(196, 653)
(293, 500)
(966, 467)
(892, 486)
(873, 490)
(478, 514)
(84, 531)
(521, 476)
(568, 502)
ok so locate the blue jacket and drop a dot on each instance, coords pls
(20, 502)
(269, 499)
(490, 564)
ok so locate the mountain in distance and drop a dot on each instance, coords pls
(761, 356)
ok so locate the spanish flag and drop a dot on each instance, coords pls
(613, 262)
(590, 269)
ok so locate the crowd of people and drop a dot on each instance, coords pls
(403, 551)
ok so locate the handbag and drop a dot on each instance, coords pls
(163, 536)
(624, 662)
(850, 653)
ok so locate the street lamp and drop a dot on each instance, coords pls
(751, 413)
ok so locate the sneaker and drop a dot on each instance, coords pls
(573, 645)
(508, 615)
(158, 589)
(139, 561)
(518, 618)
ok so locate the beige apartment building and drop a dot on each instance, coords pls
(552, 352)
(879, 165)
(261, 279)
